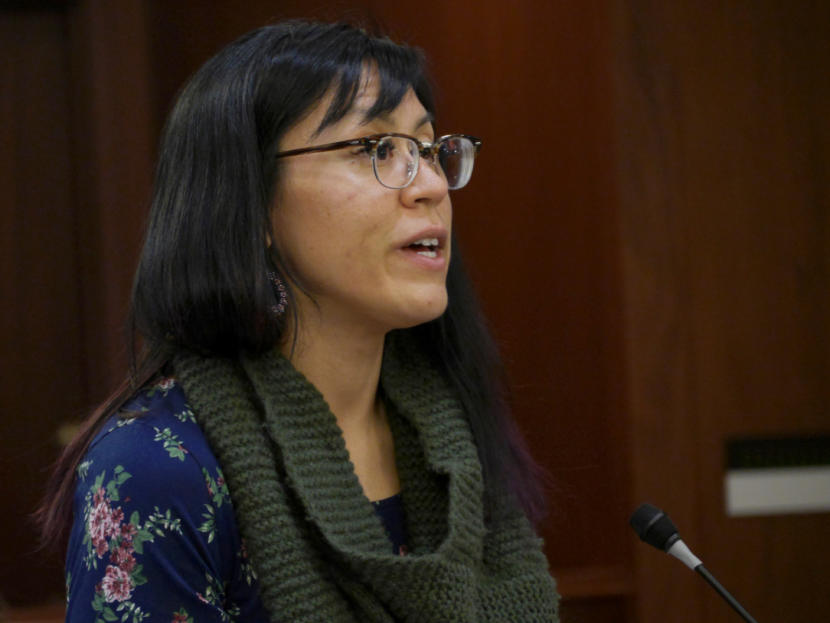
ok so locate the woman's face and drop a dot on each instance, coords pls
(348, 239)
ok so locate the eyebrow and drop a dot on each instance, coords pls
(428, 118)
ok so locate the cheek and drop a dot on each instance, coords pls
(322, 226)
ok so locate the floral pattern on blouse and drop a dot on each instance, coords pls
(107, 532)
(154, 537)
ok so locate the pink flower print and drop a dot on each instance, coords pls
(179, 617)
(104, 522)
(220, 482)
(122, 556)
(99, 543)
(116, 584)
(113, 524)
(99, 522)
(99, 497)
(165, 384)
(128, 530)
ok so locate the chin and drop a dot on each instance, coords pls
(422, 310)
(427, 313)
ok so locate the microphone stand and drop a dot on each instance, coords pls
(710, 579)
(654, 527)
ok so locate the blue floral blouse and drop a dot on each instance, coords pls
(154, 535)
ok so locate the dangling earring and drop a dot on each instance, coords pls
(279, 291)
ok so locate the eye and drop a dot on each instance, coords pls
(448, 148)
(385, 150)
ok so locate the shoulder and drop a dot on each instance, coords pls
(153, 452)
(154, 528)
(156, 429)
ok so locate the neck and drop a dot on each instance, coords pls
(344, 365)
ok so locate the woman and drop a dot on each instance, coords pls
(315, 431)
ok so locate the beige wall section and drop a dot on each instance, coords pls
(723, 169)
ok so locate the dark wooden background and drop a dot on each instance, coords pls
(647, 226)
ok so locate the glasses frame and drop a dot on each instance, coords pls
(426, 149)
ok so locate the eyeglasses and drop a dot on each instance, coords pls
(395, 157)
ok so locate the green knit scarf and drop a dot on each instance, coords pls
(319, 549)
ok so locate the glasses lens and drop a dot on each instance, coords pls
(395, 161)
(457, 155)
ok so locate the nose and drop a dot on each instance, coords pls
(429, 186)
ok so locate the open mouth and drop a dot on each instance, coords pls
(428, 247)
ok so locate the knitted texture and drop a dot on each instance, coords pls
(320, 551)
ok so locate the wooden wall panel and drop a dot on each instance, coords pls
(114, 152)
(76, 161)
(723, 169)
(41, 333)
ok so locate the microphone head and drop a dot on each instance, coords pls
(654, 527)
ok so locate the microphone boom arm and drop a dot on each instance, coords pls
(655, 528)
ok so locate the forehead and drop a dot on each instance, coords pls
(405, 114)
(367, 92)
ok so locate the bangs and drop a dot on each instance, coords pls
(398, 69)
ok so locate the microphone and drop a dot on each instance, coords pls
(655, 528)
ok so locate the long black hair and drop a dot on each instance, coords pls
(201, 282)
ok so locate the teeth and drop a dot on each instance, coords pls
(428, 253)
(427, 242)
